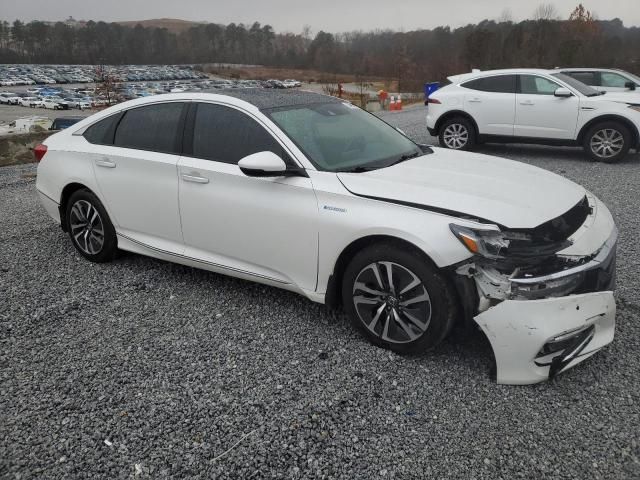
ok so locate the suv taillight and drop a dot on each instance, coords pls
(433, 100)
(39, 152)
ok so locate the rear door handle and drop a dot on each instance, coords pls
(105, 162)
(475, 100)
(194, 178)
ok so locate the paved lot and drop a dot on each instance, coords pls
(141, 367)
(9, 113)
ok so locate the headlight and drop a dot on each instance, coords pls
(635, 107)
(486, 243)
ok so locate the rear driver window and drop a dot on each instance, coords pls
(497, 84)
(227, 135)
(154, 127)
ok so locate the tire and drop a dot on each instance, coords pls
(98, 243)
(607, 142)
(405, 320)
(457, 133)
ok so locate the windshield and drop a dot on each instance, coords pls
(342, 137)
(578, 85)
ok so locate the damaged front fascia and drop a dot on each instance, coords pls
(530, 253)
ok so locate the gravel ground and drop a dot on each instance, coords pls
(144, 368)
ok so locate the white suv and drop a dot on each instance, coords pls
(604, 79)
(311, 194)
(533, 106)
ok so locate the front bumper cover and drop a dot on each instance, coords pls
(519, 331)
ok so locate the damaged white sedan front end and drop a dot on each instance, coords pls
(544, 300)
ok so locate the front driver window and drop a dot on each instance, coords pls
(227, 135)
(532, 85)
(613, 80)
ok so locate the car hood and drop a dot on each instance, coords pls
(505, 192)
(622, 97)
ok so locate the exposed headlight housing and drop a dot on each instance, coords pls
(491, 244)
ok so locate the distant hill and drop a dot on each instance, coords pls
(174, 25)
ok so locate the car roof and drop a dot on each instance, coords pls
(587, 69)
(463, 77)
(265, 99)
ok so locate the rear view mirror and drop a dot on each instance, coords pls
(630, 85)
(267, 164)
(563, 93)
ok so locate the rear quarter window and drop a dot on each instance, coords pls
(101, 133)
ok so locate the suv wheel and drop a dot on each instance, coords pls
(458, 134)
(397, 300)
(607, 142)
(90, 229)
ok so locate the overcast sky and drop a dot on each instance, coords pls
(328, 15)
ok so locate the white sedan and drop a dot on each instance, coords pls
(311, 194)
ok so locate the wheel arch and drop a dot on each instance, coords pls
(65, 195)
(333, 298)
(456, 113)
(611, 118)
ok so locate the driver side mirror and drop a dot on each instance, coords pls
(630, 85)
(267, 164)
(563, 93)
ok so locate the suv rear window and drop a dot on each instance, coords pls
(496, 84)
(153, 127)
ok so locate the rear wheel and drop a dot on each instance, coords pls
(90, 229)
(607, 142)
(397, 300)
(457, 134)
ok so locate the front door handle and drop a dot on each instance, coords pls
(527, 103)
(475, 100)
(105, 162)
(194, 178)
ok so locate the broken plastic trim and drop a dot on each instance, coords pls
(570, 353)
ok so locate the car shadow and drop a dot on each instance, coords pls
(465, 347)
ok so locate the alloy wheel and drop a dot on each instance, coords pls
(87, 229)
(456, 136)
(607, 143)
(392, 302)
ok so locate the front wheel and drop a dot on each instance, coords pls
(90, 228)
(457, 134)
(397, 300)
(607, 142)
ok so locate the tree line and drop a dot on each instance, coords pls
(412, 57)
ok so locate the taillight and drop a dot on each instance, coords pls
(39, 152)
(433, 100)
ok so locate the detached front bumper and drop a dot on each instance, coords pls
(535, 339)
(549, 323)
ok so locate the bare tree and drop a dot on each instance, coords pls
(506, 16)
(546, 11)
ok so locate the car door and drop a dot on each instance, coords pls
(136, 173)
(491, 103)
(540, 114)
(261, 227)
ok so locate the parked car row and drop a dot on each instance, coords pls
(552, 107)
(15, 75)
(52, 98)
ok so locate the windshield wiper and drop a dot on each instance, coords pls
(406, 157)
(357, 170)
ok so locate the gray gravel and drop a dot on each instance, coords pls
(144, 368)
